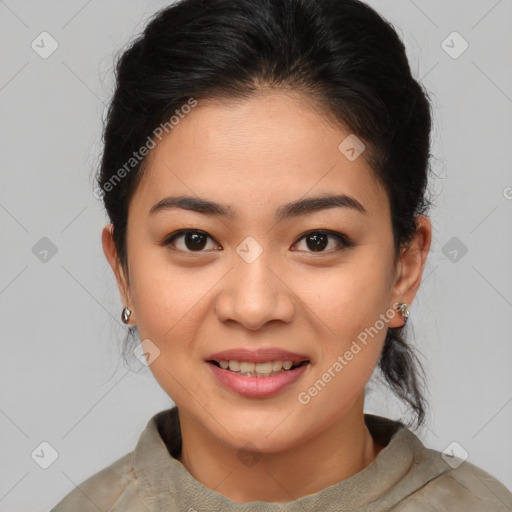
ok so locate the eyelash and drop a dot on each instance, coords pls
(342, 239)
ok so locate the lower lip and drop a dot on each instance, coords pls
(257, 387)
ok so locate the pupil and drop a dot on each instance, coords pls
(319, 241)
(195, 241)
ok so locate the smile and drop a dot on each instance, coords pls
(265, 369)
(258, 380)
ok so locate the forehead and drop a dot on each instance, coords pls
(269, 149)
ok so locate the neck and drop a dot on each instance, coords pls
(335, 454)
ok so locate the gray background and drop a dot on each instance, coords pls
(62, 378)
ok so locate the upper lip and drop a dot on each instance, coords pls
(261, 355)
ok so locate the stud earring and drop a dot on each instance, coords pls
(125, 315)
(403, 310)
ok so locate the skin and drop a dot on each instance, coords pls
(255, 156)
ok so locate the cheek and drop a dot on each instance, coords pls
(166, 298)
(350, 298)
(352, 310)
(349, 349)
(170, 304)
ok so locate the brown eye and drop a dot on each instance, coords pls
(317, 241)
(192, 240)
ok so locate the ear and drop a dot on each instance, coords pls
(123, 284)
(410, 267)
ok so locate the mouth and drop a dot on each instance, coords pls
(260, 373)
(259, 370)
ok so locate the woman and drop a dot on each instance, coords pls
(264, 171)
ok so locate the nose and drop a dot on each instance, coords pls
(254, 294)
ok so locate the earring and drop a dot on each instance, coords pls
(403, 310)
(125, 315)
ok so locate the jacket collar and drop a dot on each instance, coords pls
(401, 467)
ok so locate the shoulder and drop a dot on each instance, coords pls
(465, 488)
(103, 490)
(116, 487)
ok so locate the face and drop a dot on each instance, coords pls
(264, 281)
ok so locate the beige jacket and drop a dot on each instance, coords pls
(405, 477)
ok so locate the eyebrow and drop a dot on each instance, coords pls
(293, 209)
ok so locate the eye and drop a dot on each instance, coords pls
(318, 240)
(193, 240)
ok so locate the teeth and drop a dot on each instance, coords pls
(267, 369)
(264, 367)
(234, 366)
(246, 367)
